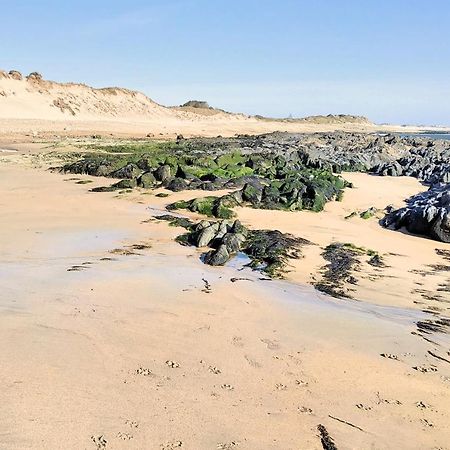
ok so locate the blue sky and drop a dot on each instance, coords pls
(387, 59)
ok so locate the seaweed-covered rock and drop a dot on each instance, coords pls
(271, 249)
(122, 184)
(147, 180)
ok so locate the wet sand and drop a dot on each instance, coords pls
(107, 343)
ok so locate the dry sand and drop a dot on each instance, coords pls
(409, 276)
(150, 349)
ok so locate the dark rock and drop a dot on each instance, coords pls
(426, 213)
(217, 257)
(162, 173)
(206, 235)
(176, 184)
(128, 171)
(233, 241)
(147, 180)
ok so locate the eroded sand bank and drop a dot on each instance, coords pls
(137, 347)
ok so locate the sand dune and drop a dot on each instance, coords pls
(32, 105)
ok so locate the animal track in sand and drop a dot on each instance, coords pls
(363, 407)
(252, 362)
(305, 410)
(227, 445)
(172, 364)
(389, 356)
(237, 341)
(425, 369)
(99, 441)
(171, 445)
(214, 370)
(227, 387)
(427, 423)
(132, 423)
(144, 372)
(281, 387)
(124, 436)
(207, 288)
(271, 345)
(381, 401)
(422, 405)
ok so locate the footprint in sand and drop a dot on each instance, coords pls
(99, 441)
(252, 362)
(132, 423)
(363, 407)
(305, 410)
(422, 405)
(144, 372)
(171, 445)
(281, 387)
(425, 369)
(427, 423)
(227, 445)
(237, 341)
(389, 356)
(214, 370)
(172, 364)
(271, 345)
(227, 387)
(381, 400)
(124, 436)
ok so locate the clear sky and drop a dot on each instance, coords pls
(386, 59)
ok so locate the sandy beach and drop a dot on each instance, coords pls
(224, 225)
(114, 336)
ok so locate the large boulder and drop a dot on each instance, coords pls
(427, 213)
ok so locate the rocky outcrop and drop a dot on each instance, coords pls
(283, 171)
(268, 250)
(196, 104)
(427, 214)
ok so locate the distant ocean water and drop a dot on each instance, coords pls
(445, 136)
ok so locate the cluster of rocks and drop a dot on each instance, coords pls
(427, 213)
(429, 163)
(263, 181)
(268, 250)
(283, 171)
